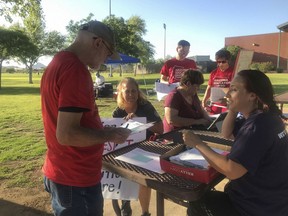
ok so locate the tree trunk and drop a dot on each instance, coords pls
(135, 69)
(30, 70)
(1, 72)
(121, 70)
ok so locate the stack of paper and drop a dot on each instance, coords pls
(192, 158)
(142, 158)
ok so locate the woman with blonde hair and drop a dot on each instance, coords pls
(131, 102)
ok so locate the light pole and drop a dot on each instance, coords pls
(109, 9)
(110, 66)
(164, 26)
(282, 27)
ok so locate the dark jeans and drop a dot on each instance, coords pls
(214, 203)
(75, 201)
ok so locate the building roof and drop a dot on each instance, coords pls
(283, 27)
(201, 58)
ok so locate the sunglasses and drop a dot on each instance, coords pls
(110, 51)
(223, 62)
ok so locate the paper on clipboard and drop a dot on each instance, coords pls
(136, 127)
(163, 89)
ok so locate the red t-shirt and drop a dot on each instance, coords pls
(174, 68)
(221, 79)
(67, 83)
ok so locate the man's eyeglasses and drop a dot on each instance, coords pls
(107, 47)
(223, 62)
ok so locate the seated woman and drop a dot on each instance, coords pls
(258, 162)
(132, 103)
(182, 105)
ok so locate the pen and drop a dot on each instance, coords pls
(127, 126)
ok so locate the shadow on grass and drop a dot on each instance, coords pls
(8, 208)
(19, 90)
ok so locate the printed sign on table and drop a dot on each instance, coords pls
(114, 186)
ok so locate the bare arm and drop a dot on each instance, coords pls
(164, 79)
(221, 163)
(70, 132)
(173, 118)
(228, 125)
(206, 96)
(205, 114)
(157, 128)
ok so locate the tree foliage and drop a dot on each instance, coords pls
(128, 33)
(14, 44)
(234, 52)
(15, 8)
(129, 37)
(73, 26)
(33, 25)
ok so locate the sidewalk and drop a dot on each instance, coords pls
(171, 208)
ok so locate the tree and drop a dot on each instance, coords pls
(128, 34)
(234, 52)
(73, 26)
(46, 43)
(11, 8)
(13, 44)
(33, 25)
(129, 37)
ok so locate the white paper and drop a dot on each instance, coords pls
(136, 127)
(142, 158)
(163, 89)
(114, 186)
(192, 156)
(217, 94)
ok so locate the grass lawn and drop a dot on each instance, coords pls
(22, 145)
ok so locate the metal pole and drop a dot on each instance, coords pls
(109, 9)
(279, 47)
(164, 25)
(110, 74)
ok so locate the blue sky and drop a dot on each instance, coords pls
(204, 23)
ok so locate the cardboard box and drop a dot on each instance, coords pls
(199, 175)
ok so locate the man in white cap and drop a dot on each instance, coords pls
(74, 133)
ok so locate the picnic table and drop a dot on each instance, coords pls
(167, 186)
(282, 99)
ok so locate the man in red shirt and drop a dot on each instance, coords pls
(172, 69)
(219, 82)
(73, 130)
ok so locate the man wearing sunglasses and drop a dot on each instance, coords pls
(219, 81)
(74, 133)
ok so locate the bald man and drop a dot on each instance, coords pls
(74, 133)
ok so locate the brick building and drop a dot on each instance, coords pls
(271, 47)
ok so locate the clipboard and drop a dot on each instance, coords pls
(221, 117)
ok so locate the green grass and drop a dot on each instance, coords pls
(22, 145)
